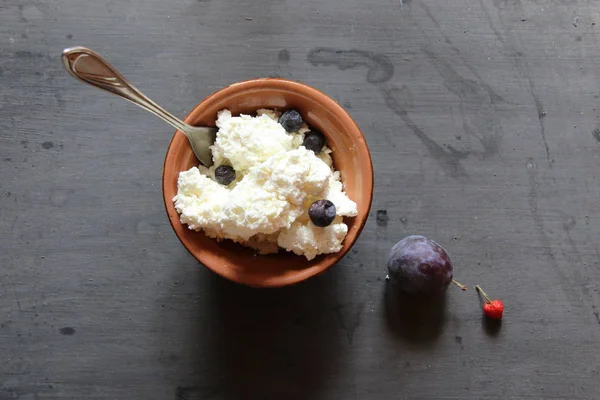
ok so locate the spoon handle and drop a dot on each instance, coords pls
(87, 66)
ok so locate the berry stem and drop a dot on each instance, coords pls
(480, 290)
(460, 285)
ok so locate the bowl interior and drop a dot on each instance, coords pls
(350, 156)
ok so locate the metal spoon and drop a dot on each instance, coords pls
(89, 67)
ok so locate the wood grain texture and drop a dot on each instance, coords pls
(482, 118)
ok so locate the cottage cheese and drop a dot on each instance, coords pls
(277, 179)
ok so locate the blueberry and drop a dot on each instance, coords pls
(419, 266)
(291, 120)
(322, 213)
(314, 141)
(224, 174)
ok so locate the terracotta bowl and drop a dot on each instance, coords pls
(350, 156)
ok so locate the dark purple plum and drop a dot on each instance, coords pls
(419, 266)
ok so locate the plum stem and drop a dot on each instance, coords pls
(480, 290)
(460, 285)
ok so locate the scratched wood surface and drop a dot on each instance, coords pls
(483, 122)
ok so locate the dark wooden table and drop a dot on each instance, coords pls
(483, 122)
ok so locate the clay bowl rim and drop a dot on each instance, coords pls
(321, 264)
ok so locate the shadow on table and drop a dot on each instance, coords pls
(491, 326)
(267, 343)
(416, 319)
